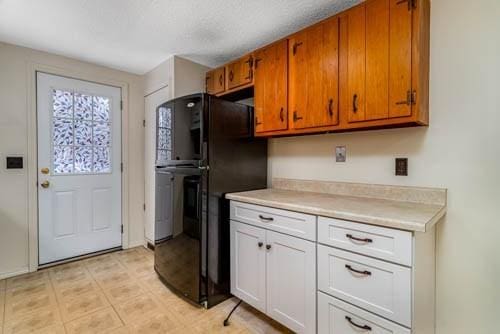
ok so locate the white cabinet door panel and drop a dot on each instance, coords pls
(291, 282)
(248, 264)
(377, 286)
(338, 317)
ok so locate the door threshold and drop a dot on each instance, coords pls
(80, 257)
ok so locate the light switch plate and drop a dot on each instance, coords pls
(340, 154)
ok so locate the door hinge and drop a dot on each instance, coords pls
(144, 206)
(121, 167)
(122, 229)
(121, 105)
(144, 123)
(413, 98)
(412, 4)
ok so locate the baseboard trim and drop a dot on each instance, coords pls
(136, 243)
(14, 273)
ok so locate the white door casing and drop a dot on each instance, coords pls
(151, 102)
(79, 141)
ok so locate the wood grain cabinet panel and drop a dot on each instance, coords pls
(270, 88)
(215, 81)
(379, 60)
(313, 76)
(239, 72)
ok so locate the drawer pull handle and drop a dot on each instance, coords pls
(269, 219)
(364, 272)
(367, 240)
(364, 327)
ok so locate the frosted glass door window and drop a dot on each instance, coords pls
(81, 133)
(164, 134)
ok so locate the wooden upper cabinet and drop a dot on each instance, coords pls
(379, 60)
(313, 76)
(239, 72)
(215, 81)
(270, 88)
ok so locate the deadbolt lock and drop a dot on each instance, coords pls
(45, 170)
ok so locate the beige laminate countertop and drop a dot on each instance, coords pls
(410, 216)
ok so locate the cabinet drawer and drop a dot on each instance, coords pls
(377, 286)
(380, 242)
(291, 223)
(338, 317)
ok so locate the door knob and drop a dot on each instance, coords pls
(44, 170)
(45, 184)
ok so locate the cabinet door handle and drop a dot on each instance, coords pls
(330, 107)
(282, 118)
(221, 80)
(361, 272)
(268, 247)
(296, 117)
(295, 46)
(231, 75)
(269, 219)
(363, 327)
(256, 62)
(366, 240)
(355, 103)
(250, 65)
(260, 244)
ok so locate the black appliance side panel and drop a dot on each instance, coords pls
(238, 162)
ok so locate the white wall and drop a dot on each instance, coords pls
(15, 63)
(460, 151)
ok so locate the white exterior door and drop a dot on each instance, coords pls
(291, 282)
(248, 264)
(79, 167)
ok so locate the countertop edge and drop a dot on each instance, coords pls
(396, 224)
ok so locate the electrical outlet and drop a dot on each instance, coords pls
(402, 166)
(340, 154)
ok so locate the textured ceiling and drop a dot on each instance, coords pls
(137, 35)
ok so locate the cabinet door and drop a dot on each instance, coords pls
(248, 264)
(215, 81)
(270, 88)
(291, 282)
(239, 72)
(379, 60)
(313, 76)
(400, 36)
(210, 82)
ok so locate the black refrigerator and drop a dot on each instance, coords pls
(205, 149)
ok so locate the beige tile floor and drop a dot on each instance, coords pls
(113, 293)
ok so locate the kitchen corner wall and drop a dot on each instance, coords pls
(460, 150)
(14, 104)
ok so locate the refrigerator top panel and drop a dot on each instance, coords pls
(180, 131)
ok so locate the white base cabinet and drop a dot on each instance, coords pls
(276, 274)
(370, 279)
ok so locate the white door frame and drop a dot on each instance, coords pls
(32, 157)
